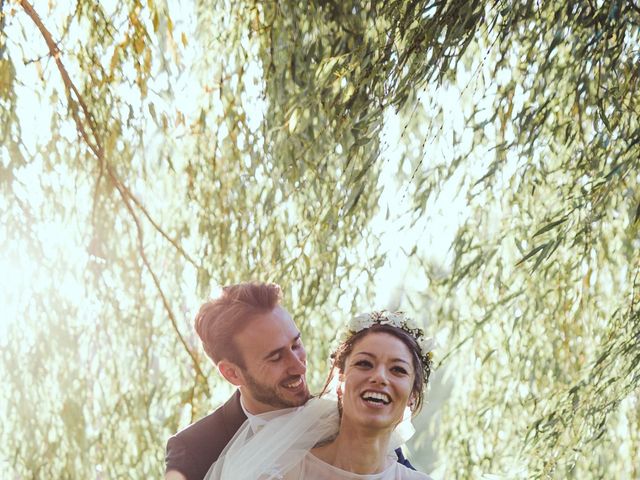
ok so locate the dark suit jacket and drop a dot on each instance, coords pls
(193, 450)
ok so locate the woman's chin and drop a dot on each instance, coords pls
(372, 416)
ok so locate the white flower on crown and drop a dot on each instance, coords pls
(394, 319)
(360, 322)
(426, 344)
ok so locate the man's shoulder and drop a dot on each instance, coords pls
(202, 428)
(192, 450)
(228, 417)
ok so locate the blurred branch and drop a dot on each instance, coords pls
(78, 107)
(2, 35)
(96, 145)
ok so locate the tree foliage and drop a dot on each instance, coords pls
(179, 145)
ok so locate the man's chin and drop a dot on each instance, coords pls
(278, 396)
(296, 399)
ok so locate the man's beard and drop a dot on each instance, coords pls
(268, 395)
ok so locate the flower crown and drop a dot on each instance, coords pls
(401, 321)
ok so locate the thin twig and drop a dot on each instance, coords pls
(162, 232)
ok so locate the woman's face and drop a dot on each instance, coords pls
(377, 381)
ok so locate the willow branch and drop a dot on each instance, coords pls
(77, 103)
(78, 106)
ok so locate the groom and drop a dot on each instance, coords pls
(257, 347)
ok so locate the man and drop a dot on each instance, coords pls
(257, 347)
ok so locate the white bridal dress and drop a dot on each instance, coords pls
(281, 449)
(313, 468)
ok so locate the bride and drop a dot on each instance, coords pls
(349, 431)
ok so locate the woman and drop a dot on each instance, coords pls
(383, 366)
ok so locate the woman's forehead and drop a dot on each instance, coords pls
(381, 344)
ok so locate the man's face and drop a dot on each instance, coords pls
(275, 363)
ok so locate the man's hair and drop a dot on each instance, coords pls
(220, 319)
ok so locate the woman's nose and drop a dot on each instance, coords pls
(379, 375)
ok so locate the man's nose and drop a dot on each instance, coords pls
(297, 364)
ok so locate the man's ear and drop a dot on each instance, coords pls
(231, 372)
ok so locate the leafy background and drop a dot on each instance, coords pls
(474, 163)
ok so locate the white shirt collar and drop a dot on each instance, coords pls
(256, 422)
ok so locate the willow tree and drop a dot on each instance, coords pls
(538, 300)
(181, 146)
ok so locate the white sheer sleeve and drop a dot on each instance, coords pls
(278, 446)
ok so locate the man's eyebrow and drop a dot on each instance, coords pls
(373, 356)
(278, 350)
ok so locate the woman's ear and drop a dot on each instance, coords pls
(339, 387)
(411, 402)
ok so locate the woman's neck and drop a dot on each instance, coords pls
(357, 449)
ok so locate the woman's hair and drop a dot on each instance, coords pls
(219, 320)
(422, 371)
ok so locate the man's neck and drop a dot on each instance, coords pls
(252, 407)
(259, 420)
(245, 409)
(357, 450)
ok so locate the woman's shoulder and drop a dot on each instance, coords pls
(408, 474)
